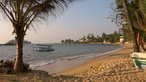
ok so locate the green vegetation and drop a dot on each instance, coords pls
(90, 38)
(131, 16)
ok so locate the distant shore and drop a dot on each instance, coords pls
(112, 67)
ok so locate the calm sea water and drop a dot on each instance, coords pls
(62, 52)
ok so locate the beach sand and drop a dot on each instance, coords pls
(113, 67)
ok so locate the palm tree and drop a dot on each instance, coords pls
(135, 12)
(139, 18)
(23, 15)
(140, 14)
(133, 33)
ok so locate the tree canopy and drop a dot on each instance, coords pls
(25, 13)
(137, 11)
(91, 38)
(131, 13)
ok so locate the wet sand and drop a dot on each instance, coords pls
(113, 67)
(70, 64)
(62, 66)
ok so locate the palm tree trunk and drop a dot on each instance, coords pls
(133, 33)
(18, 64)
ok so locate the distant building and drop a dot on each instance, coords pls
(104, 42)
(81, 40)
(122, 40)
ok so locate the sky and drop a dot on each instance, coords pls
(79, 19)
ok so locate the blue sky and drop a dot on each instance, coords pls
(81, 18)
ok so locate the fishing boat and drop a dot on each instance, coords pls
(139, 60)
(41, 47)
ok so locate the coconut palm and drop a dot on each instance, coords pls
(140, 14)
(136, 16)
(23, 15)
(130, 21)
(138, 19)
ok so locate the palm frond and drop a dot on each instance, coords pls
(24, 12)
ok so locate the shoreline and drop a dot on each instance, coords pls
(68, 64)
(88, 64)
(112, 67)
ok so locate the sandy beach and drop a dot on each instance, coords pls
(113, 67)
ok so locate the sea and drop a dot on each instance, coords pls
(62, 52)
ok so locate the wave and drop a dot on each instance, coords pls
(87, 56)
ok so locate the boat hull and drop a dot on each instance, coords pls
(139, 60)
(43, 48)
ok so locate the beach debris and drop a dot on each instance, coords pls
(6, 66)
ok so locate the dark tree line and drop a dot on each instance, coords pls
(91, 38)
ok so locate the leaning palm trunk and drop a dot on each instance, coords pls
(133, 33)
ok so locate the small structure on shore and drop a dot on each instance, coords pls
(122, 40)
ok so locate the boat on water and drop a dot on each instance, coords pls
(41, 47)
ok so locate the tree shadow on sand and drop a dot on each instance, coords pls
(37, 76)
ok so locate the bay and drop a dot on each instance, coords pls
(62, 52)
